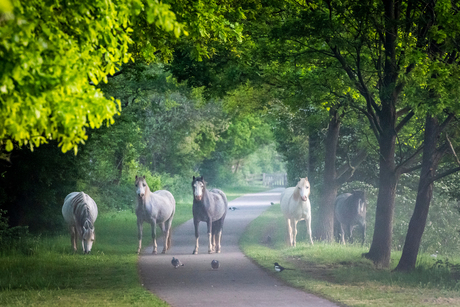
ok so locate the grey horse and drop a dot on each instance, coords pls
(210, 207)
(80, 213)
(154, 208)
(350, 210)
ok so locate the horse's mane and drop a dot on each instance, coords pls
(81, 210)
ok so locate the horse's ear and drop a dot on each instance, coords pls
(202, 179)
(193, 177)
(136, 177)
(143, 176)
(306, 178)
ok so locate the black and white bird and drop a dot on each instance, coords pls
(280, 268)
(232, 208)
(215, 264)
(176, 263)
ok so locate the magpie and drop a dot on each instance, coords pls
(279, 268)
(176, 263)
(215, 264)
(232, 208)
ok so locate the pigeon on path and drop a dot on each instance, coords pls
(176, 263)
(280, 268)
(215, 264)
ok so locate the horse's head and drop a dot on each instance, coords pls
(88, 236)
(198, 186)
(303, 187)
(141, 186)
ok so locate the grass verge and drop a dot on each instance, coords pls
(340, 274)
(50, 274)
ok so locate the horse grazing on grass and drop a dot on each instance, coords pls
(154, 208)
(210, 207)
(295, 206)
(350, 210)
(80, 213)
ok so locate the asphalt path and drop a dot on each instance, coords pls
(237, 282)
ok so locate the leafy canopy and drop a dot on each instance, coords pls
(51, 50)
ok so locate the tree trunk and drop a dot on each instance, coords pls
(325, 226)
(417, 223)
(380, 250)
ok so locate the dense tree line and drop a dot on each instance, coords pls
(350, 90)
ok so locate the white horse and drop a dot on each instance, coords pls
(80, 213)
(155, 208)
(295, 206)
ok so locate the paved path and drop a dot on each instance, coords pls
(238, 282)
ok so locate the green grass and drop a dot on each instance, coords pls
(48, 273)
(340, 274)
(52, 275)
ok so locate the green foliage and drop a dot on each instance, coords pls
(50, 51)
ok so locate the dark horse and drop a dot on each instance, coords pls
(210, 207)
(350, 210)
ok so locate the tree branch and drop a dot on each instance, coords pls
(404, 121)
(346, 171)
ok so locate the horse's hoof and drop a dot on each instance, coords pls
(154, 252)
(210, 251)
(163, 252)
(195, 252)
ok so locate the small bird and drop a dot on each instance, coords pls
(279, 268)
(232, 208)
(176, 263)
(215, 264)
(272, 203)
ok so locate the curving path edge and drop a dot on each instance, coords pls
(238, 281)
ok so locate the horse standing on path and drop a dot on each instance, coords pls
(210, 207)
(80, 213)
(154, 208)
(350, 210)
(295, 206)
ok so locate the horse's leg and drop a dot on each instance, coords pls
(218, 239)
(73, 238)
(289, 231)
(308, 223)
(351, 234)
(217, 233)
(154, 235)
(294, 232)
(167, 233)
(139, 235)
(209, 223)
(195, 223)
(342, 235)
